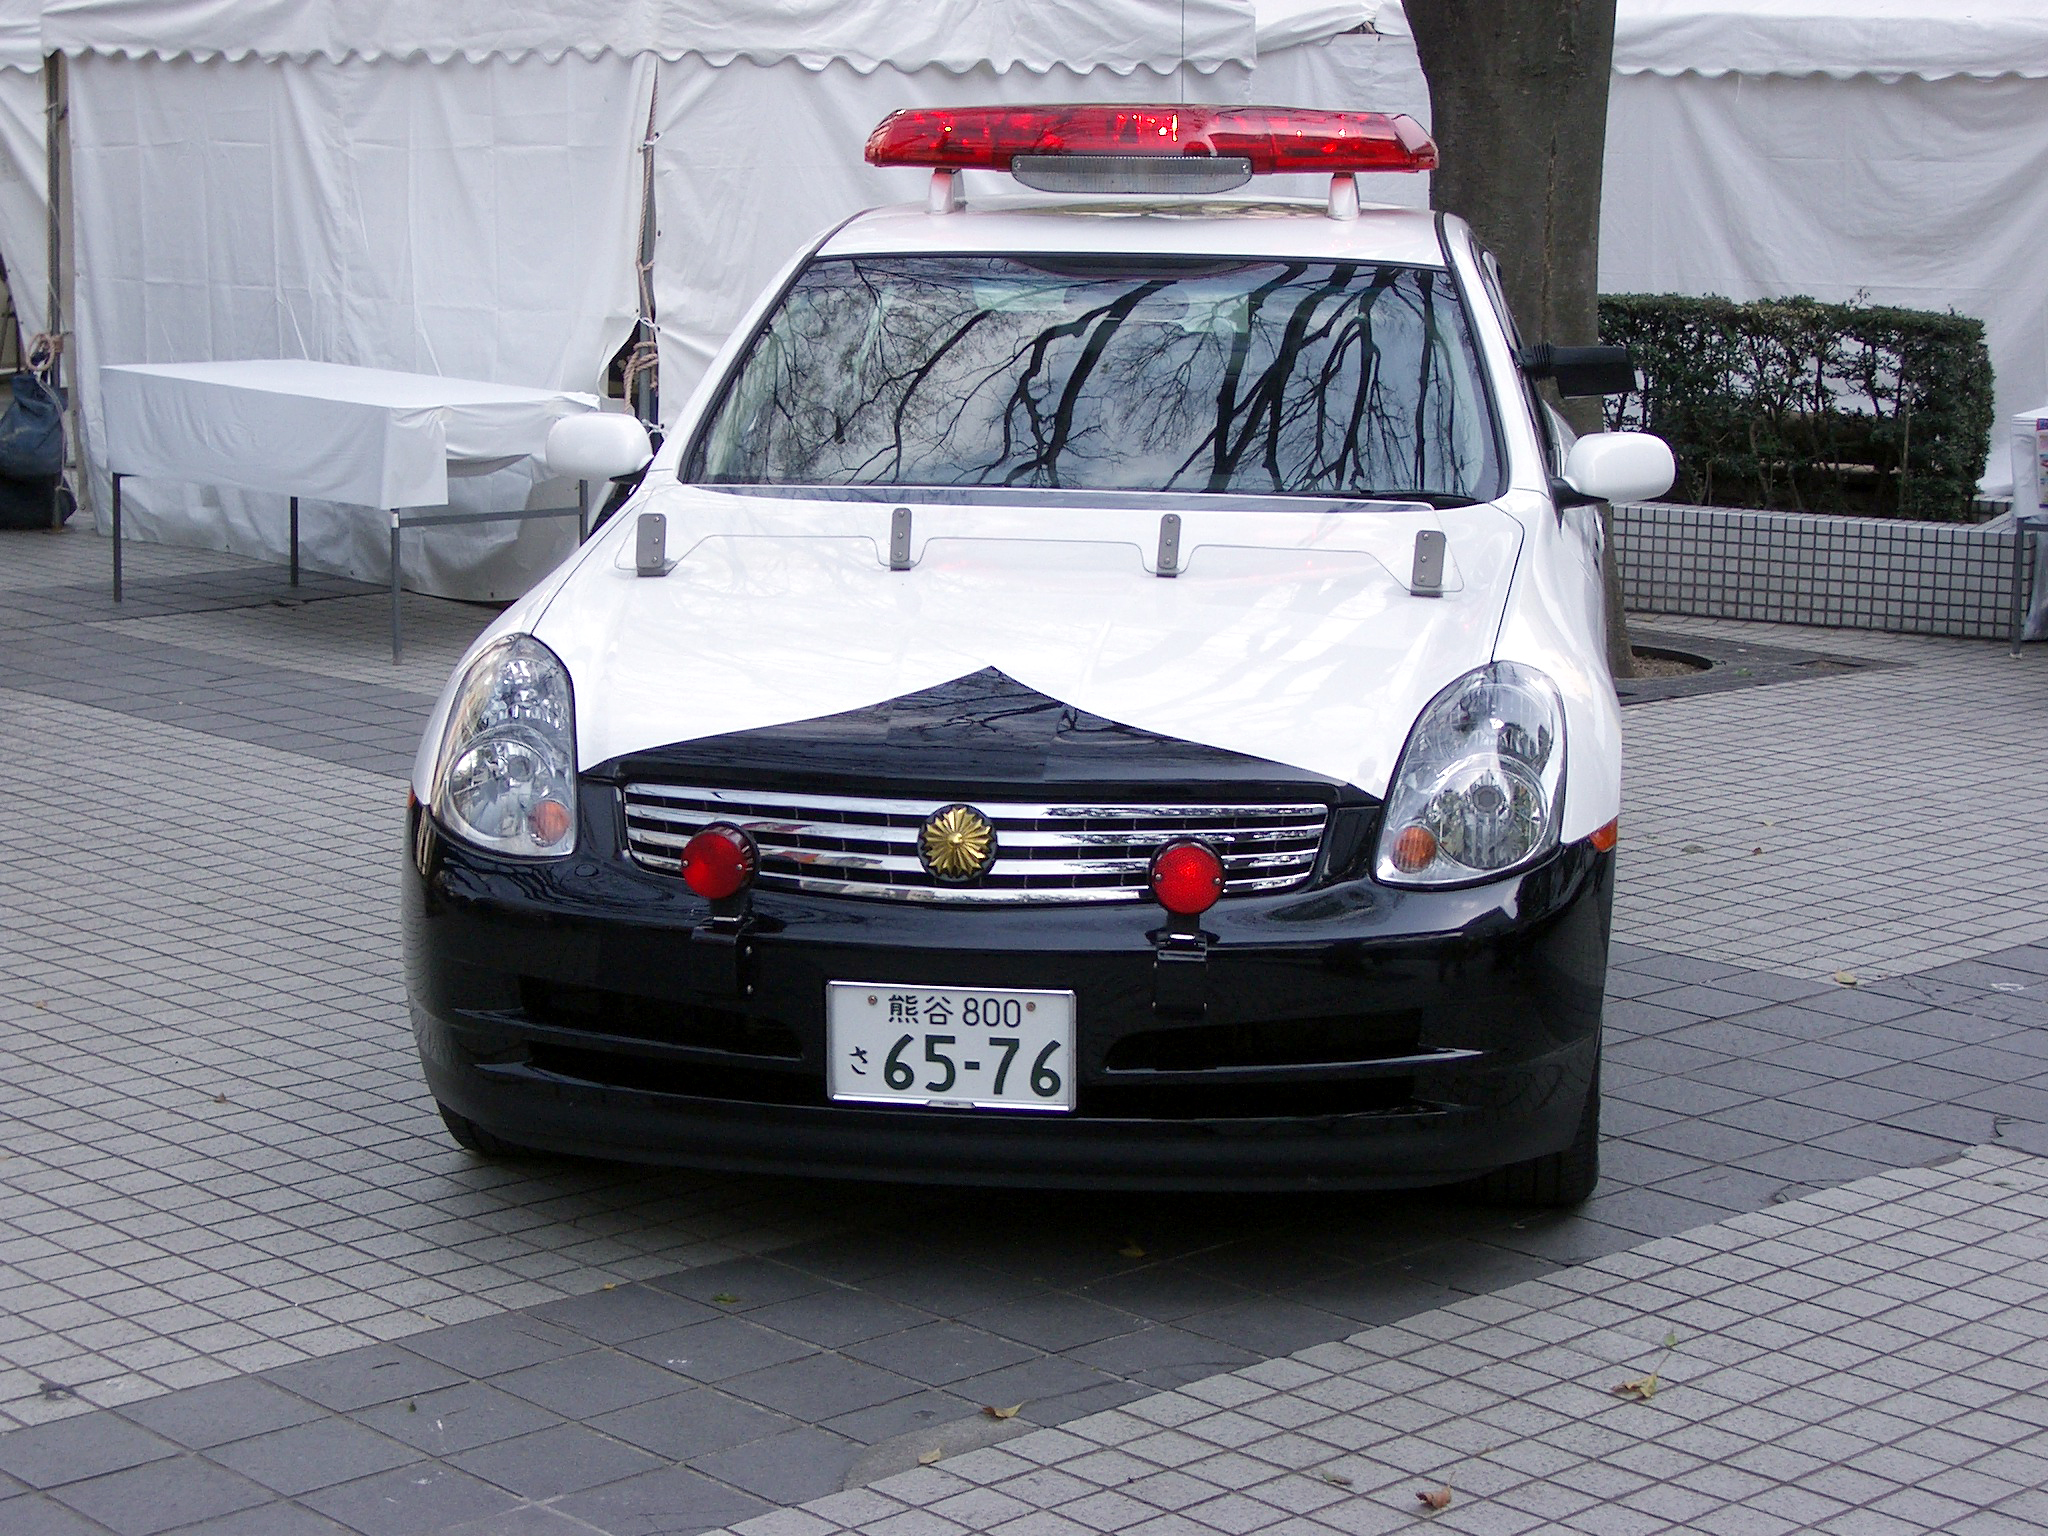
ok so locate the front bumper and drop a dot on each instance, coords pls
(1343, 1036)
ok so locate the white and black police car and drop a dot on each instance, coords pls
(1103, 686)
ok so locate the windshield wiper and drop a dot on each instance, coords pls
(1427, 498)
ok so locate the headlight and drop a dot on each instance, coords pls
(505, 778)
(1480, 787)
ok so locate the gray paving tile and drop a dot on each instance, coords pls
(316, 1455)
(940, 1353)
(362, 1377)
(457, 1418)
(493, 1345)
(742, 1283)
(219, 1411)
(1052, 1321)
(672, 1503)
(425, 1496)
(277, 1519)
(550, 1462)
(837, 1316)
(630, 1312)
(692, 1423)
(32, 1514)
(158, 1496)
(787, 1469)
(70, 1450)
(596, 1381)
(819, 1387)
(722, 1347)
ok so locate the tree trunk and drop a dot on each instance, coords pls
(1518, 102)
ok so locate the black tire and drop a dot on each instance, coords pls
(472, 1137)
(1559, 1179)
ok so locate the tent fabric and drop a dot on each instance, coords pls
(1890, 39)
(474, 221)
(365, 437)
(736, 203)
(24, 197)
(21, 40)
(864, 35)
(1926, 194)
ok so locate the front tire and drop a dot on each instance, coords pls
(1558, 1179)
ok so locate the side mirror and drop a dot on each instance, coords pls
(1580, 371)
(1615, 466)
(596, 446)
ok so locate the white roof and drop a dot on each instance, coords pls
(956, 35)
(1933, 39)
(21, 42)
(1116, 226)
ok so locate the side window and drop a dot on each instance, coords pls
(1549, 425)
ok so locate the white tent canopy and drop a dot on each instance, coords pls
(957, 35)
(454, 188)
(1888, 39)
(1880, 150)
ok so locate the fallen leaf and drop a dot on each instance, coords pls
(1004, 1413)
(220, 1098)
(1131, 1250)
(1692, 848)
(1846, 978)
(1642, 1388)
(1754, 852)
(726, 1299)
(1337, 1478)
(609, 1285)
(412, 1407)
(930, 1456)
(1437, 1498)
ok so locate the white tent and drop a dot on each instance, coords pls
(456, 188)
(24, 238)
(1892, 149)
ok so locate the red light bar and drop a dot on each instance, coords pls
(1273, 139)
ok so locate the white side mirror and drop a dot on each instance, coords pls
(1619, 466)
(596, 446)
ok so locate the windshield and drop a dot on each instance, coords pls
(1289, 377)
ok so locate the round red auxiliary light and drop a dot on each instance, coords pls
(719, 861)
(1273, 139)
(1187, 878)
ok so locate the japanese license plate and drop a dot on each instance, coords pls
(949, 1047)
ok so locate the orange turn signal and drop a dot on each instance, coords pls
(1605, 838)
(1414, 849)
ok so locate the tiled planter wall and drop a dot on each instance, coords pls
(1802, 568)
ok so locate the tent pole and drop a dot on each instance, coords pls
(649, 338)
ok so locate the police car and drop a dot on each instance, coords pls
(1104, 686)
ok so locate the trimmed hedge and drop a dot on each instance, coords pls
(1796, 405)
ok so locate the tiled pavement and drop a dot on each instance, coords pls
(223, 1186)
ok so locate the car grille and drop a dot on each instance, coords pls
(1045, 853)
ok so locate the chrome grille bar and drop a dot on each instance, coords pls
(1046, 852)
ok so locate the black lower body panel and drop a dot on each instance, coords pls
(1347, 1037)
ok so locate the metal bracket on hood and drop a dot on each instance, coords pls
(1427, 579)
(899, 539)
(1168, 562)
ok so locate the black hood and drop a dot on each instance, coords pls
(980, 733)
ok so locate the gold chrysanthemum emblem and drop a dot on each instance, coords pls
(957, 842)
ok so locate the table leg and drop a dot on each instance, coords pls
(395, 640)
(295, 541)
(117, 538)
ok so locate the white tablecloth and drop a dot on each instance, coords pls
(364, 436)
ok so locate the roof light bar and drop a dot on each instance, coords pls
(1269, 140)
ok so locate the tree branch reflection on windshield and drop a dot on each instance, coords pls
(1290, 377)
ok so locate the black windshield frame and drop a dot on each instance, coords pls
(1482, 434)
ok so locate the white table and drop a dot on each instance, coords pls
(364, 437)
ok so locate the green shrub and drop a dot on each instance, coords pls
(1792, 404)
